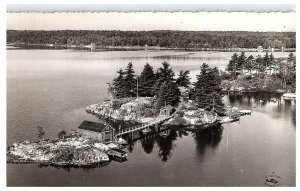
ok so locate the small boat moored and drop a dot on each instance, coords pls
(117, 153)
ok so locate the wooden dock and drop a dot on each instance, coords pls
(146, 125)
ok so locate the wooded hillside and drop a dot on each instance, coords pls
(175, 39)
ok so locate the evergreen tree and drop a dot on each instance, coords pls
(164, 74)
(291, 58)
(271, 60)
(266, 60)
(207, 93)
(183, 79)
(146, 81)
(168, 94)
(118, 86)
(130, 81)
(241, 61)
(259, 63)
(216, 95)
(249, 64)
(232, 65)
(201, 85)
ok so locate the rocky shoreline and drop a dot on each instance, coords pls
(72, 151)
(141, 110)
(76, 150)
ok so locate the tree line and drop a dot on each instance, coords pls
(175, 39)
(162, 85)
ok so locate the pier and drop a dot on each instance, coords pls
(160, 119)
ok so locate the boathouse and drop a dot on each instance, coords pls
(100, 131)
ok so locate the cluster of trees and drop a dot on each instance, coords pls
(179, 39)
(265, 71)
(161, 84)
(238, 63)
(207, 90)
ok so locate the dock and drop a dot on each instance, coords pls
(160, 119)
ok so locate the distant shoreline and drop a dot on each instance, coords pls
(136, 48)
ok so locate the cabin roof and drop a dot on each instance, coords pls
(93, 126)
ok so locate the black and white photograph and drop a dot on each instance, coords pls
(190, 95)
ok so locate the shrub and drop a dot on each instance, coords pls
(179, 120)
(149, 112)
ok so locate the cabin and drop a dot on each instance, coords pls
(99, 131)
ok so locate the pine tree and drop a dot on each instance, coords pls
(168, 94)
(232, 65)
(291, 58)
(130, 81)
(146, 81)
(271, 60)
(266, 60)
(249, 64)
(164, 74)
(207, 93)
(118, 86)
(216, 94)
(241, 61)
(259, 62)
(183, 79)
(200, 86)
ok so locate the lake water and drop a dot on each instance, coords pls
(51, 88)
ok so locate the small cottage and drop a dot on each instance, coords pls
(100, 131)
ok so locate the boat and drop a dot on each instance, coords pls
(117, 153)
(122, 141)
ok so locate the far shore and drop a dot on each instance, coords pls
(133, 48)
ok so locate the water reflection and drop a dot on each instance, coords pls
(166, 144)
(165, 140)
(148, 144)
(208, 139)
(270, 103)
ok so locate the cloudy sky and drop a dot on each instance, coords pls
(201, 21)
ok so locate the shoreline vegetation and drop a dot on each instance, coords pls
(260, 74)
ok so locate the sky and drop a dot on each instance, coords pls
(134, 21)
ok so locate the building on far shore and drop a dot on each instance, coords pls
(260, 49)
(100, 131)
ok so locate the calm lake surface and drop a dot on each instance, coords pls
(51, 88)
